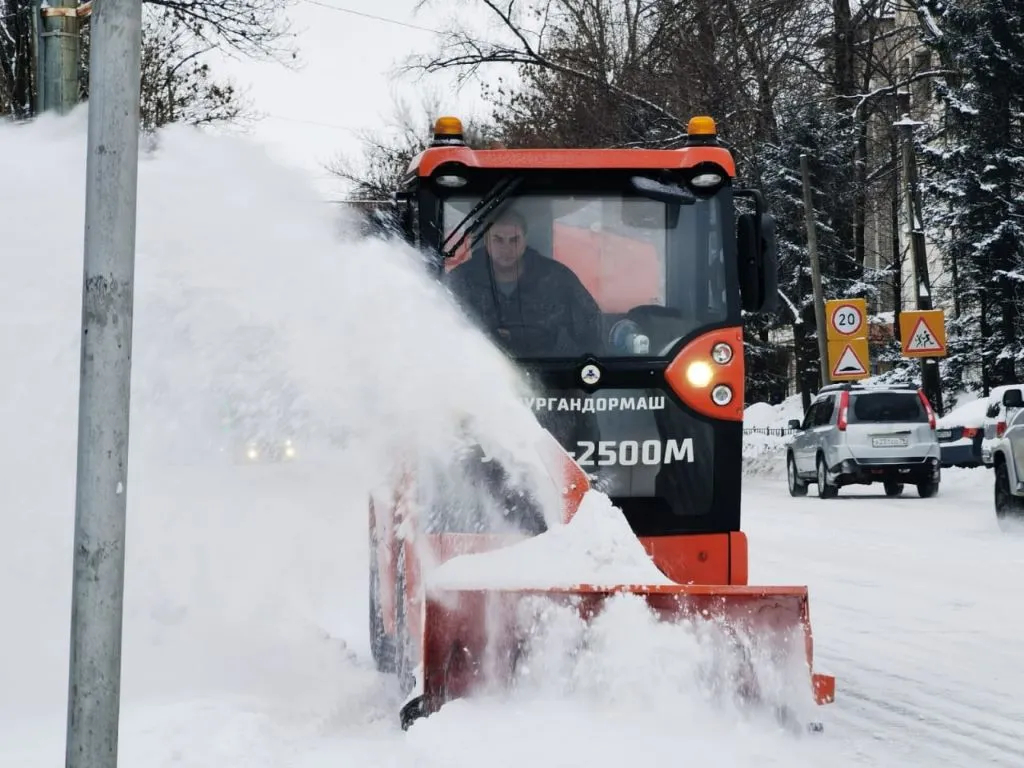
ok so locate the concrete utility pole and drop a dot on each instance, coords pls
(931, 382)
(57, 83)
(94, 689)
(812, 250)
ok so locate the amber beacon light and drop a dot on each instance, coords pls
(448, 130)
(701, 126)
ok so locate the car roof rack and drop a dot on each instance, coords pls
(848, 386)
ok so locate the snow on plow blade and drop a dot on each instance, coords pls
(473, 639)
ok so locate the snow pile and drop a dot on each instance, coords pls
(763, 446)
(605, 661)
(765, 416)
(968, 413)
(596, 547)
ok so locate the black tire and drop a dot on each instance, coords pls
(797, 487)
(892, 488)
(381, 647)
(825, 490)
(927, 489)
(1009, 508)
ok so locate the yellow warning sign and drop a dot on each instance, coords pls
(923, 333)
(848, 360)
(846, 319)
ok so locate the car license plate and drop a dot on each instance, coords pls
(943, 434)
(889, 442)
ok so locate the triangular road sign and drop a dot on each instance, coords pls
(849, 364)
(923, 339)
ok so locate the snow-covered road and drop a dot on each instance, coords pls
(246, 622)
(916, 608)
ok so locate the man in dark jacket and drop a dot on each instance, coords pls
(530, 305)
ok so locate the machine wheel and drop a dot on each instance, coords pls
(797, 487)
(927, 489)
(825, 491)
(381, 646)
(1009, 508)
(892, 488)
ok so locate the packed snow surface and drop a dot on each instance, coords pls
(596, 547)
(245, 627)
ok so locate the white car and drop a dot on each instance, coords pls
(1008, 462)
(997, 417)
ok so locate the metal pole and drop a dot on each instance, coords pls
(94, 688)
(60, 41)
(812, 250)
(930, 380)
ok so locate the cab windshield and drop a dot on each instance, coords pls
(610, 274)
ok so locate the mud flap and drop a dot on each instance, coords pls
(473, 639)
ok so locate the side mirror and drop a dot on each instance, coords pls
(794, 424)
(757, 254)
(1012, 398)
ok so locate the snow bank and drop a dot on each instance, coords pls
(763, 452)
(765, 416)
(596, 547)
(968, 414)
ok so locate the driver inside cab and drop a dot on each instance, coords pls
(530, 305)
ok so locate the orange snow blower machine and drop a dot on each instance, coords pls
(615, 279)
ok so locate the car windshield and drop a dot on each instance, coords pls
(887, 407)
(614, 274)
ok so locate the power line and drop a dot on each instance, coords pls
(372, 16)
(320, 123)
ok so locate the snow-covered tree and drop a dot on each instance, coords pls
(975, 164)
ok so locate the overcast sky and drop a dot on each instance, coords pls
(346, 81)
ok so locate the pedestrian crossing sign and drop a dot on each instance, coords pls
(923, 333)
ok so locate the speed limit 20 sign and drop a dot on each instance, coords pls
(847, 318)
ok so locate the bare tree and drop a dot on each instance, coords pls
(187, 29)
(177, 85)
(377, 173)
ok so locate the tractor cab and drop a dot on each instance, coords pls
(624, 307)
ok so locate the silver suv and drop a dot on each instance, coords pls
(858, 435)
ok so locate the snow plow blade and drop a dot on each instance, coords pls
(473, 639)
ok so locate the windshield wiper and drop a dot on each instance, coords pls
(478, 214)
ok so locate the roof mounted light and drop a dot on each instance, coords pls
(701, 130)
(451, 180)
(448, 132)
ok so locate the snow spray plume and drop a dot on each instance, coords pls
(252, 315)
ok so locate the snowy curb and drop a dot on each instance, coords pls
(764, 455)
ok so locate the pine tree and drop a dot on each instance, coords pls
(807, 127)
(976, 180)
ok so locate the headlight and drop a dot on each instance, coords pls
(699, 374)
